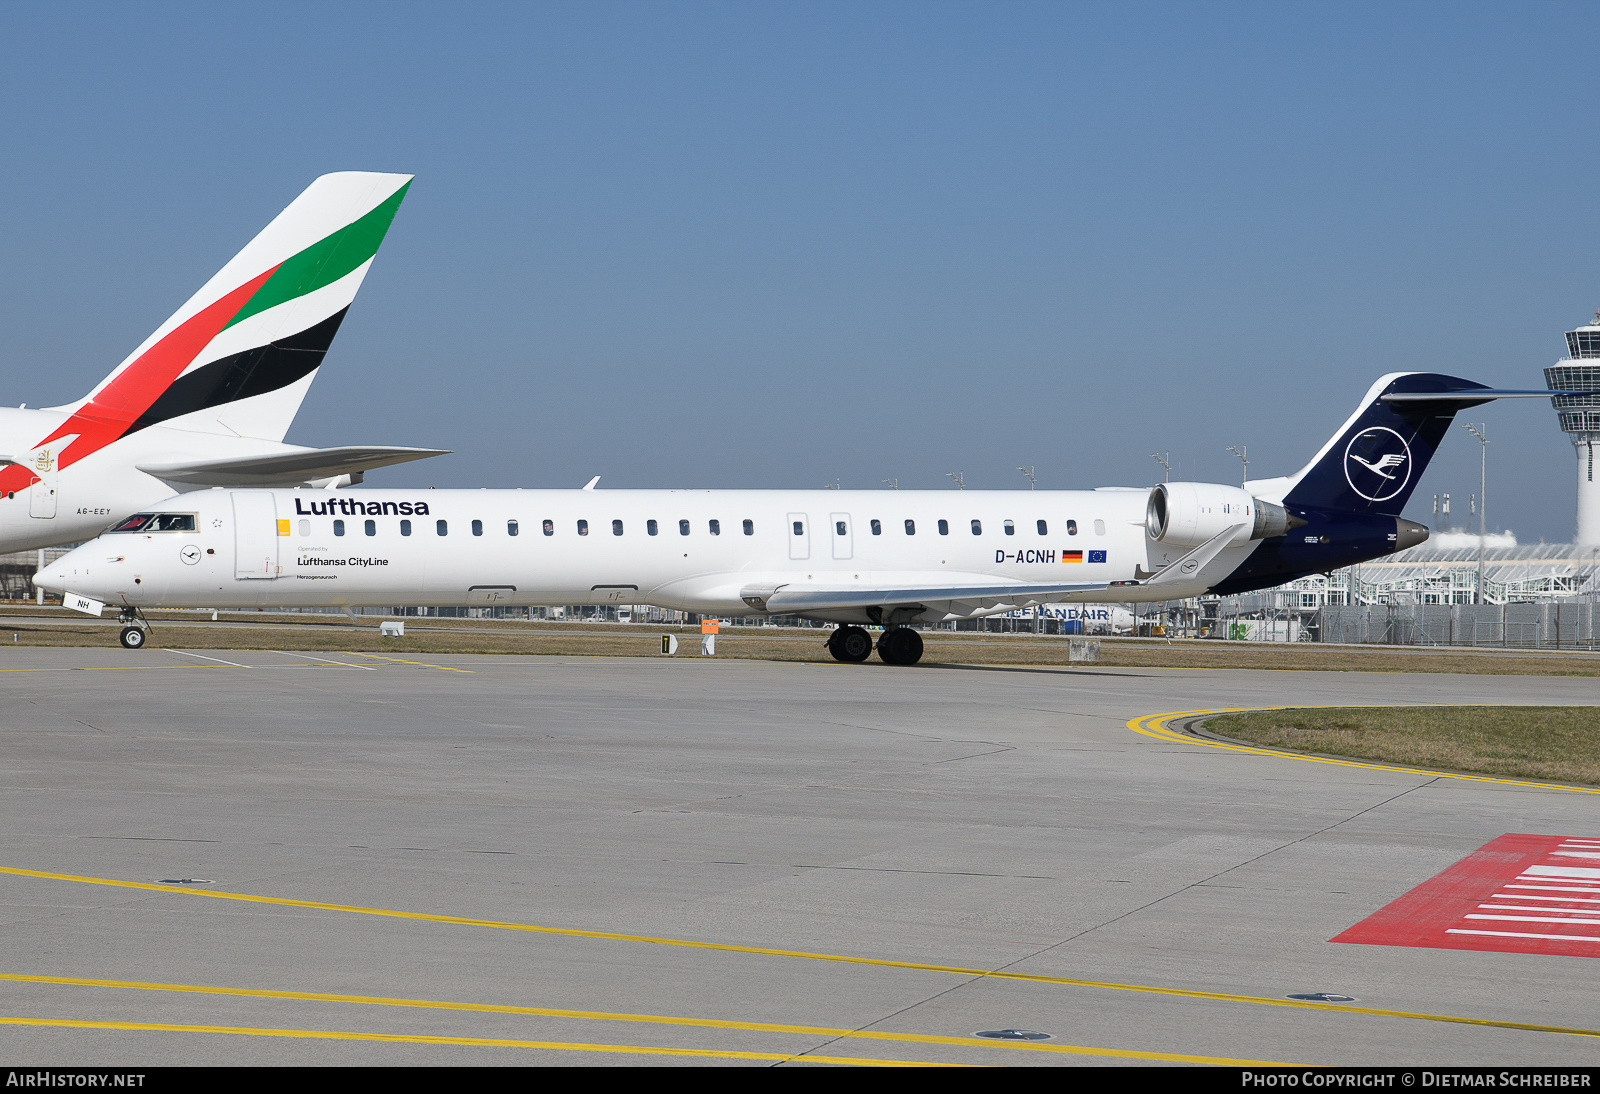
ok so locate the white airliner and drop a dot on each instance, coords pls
(887, 557)
(207, 398)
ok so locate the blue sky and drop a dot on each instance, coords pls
(740, 245)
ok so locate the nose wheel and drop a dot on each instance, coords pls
(850, 644)
(135, 629)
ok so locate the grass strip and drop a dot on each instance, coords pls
(1557, 743)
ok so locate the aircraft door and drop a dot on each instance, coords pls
(843, 539)
(256, 530)
(799, 531)
(42, 495)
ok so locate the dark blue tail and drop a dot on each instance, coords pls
(1374, 462)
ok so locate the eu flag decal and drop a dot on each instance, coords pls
(1097, 556)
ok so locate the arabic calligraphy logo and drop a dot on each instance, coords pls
(44, 462)
(1377, 463)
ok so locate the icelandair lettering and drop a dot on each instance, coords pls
(341, 562)
(1047, 556)
(350, 507)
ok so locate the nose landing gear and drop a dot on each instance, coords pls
(134, 629)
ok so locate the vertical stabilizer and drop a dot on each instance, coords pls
(238, 357)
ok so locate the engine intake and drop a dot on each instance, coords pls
(1191, 513)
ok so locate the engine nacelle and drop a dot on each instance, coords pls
(1190, 513)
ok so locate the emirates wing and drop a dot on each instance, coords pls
(955, 599)
(287, 468)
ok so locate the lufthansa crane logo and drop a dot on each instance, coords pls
(1377, 463)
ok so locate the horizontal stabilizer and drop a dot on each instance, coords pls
(790, 598)
(288, 468)
(1476, 395)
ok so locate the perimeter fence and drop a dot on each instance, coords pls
(1563, 624)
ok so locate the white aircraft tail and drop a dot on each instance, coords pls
(239, 356)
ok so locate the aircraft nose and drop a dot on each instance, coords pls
(53, 578)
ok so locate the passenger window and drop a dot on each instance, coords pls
(442, 527)
(1099, 527)
(749, 527)
(477, 527)
(838, 527)
(549, 527)
(799, 528)
(583, 527)
(338, 527)
(683, 527)
(877, 528)
(1011, 528)
(405, 528)
(911, 527)
(977, 527)
(616, 527)
(944, 528)
(716, 527)
(1044, 529)
(511, 528)
(371, 528)
(1072, 527)
(651, 527)
(305, 528)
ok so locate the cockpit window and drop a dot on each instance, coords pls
(157, 522)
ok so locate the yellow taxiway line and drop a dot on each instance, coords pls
(468, 1042)
(806, 955)
(650, 1019)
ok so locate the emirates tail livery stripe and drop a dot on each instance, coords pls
(159, 384)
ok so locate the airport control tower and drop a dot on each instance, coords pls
(1580, 417)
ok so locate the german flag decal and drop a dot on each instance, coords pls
(1071, 556)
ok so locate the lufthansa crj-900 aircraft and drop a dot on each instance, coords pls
(888, 558)
(207, 398)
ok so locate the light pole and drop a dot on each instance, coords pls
(1240, 452)
(1480, 431)
(894, 484)
(1028, 471)
(961, 482)
(1165, 460)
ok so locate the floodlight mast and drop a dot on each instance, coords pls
(1240, 452)
(1481, 431)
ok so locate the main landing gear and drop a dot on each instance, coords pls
(850, 644)
(898, 646)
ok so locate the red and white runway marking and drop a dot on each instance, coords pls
(1519, 893)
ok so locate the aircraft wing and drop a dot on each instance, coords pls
(288, 468)
(959, 599)
(954, 598)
